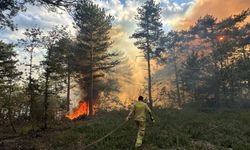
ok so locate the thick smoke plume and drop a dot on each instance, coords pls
(218, 8)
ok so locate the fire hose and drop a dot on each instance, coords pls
(104, 137)
(122, 124)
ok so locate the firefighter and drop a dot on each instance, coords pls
(138, 112)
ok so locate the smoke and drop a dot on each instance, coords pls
(219, 9)
(135, 63)
(136, 83)
(122, 31)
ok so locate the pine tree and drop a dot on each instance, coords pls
(92, 56)
(52, 65)
(243, 42)
(9, 76)
(171, 51)
(191, 74)
(30, 43)
(64, 55)
(224, 46)
(148, 34)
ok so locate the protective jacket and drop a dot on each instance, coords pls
(139, 110)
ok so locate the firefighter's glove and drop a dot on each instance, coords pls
(152, 119)
(127, 118)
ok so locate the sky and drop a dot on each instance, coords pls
(176, 14)
(124, 12)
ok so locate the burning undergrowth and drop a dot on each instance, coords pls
(80, 112)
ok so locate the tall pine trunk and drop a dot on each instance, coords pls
(177, 83)
(46, 94)
(91, 86)
(232, 89)
(31, 93)
(245, 60)
(9, 110)
(221, 79)
(216, 86)
(148, 35)
(10, 120)
(216, 89)
(46, 100)
(149, 79)
(68, 87)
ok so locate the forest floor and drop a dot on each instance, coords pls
(174, 129)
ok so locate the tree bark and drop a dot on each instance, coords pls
(149, 78)
(177, 83)
(91, 86)
(46, 100)
(46, 95)
(31, 93)
(245, 60)
(68, 88)
(10, 120)
(216, 89)
(232, 88)
(9, 109)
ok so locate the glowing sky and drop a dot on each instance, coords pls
(175, 14)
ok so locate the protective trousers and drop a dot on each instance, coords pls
(141, 131)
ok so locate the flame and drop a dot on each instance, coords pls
(221, 38)
(82, 110)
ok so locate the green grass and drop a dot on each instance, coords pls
(174, 129)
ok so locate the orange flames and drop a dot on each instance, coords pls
(82, 110)
(221, 38)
